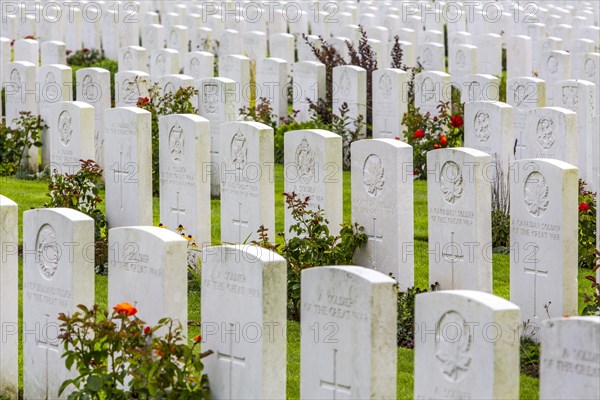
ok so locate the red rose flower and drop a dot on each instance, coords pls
(443, 141)
(456, 121)
(125, 309)
(435, 118)
(584, 207)
(147, 330)
(419, 134)
(69, 52)
(436, 146)
(142, 100)
(197, 339)
(85, 49)
(397, 138)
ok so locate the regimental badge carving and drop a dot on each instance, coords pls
(169, 88)
(590, 68)
(452, 346)
(15, 76)
(195, 68)
(65, 127)
(47, 251)
(176, 143)
(428, 90)
(552, 64)
(570, 97)
(51, 89)
(427, 57)
(482, 126)
(127, 61)
(131, 91)
(385, 86)
(210, 97)
(373, 175)
(174, 37)
(520, 95)
(451, 182)
(239, 150)
(536, 194)
(90, 89)
(345, 84)
(461, 59)
(545, 133)
(160, 64)
(305, 160)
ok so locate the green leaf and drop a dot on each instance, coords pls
(94, 383)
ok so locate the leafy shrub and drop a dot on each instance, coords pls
(425, 133)
(85, 57)
(14, 142)
(159, 104)
(312, 247)
(587, 227)
(500, 211)
(80, 192)
(592, 301)
(117, 357)
(406, 315)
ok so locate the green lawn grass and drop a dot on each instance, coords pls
(32, 194)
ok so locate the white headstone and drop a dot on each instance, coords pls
(431, 88)
(130, 86)
(184, 182)
(462, 61)
(543, 239)
(579, 96)
(216, 102)
(281, 45)
(163, 62)
(350, 87)
(570, 348)
(271, 83)
(431, 56)
(489, 53)
(552, 133)
(313, 168)
(177, 38)
(237, 68)
(9, 293)
(93, 87)
(248, 341)
(359, 304)
(460, 231)
(556, 66)
(153, 37)
(382, 202)
(390, 102)
(254, 44)
(20, 91)
(519, 57)
(524, 94)
(71, 132)
(147, 268)
(489, 127)
(309, 86)
(247, 181)
(110, 31)
(133, 58)
(587, 66)
(480, 87)
(202, 39)
(466, 346)
(58, 275)
(128, 175)
(199, 65)
(27, 50)
(55, 84)
(53, 52)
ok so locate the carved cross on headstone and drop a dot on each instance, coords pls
(233, 360)
(373, 236)
(240, 222)
(177, 210)
(385, 130)
(46, 344)
(453, 255)
(535, 271)
(334, 385)
(120, 175)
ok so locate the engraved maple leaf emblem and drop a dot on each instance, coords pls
(454, 357)
(373, 176)
(536, 194)
(451, 182)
